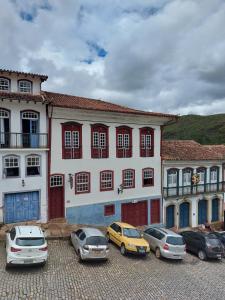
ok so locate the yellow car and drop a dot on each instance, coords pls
(128, 238)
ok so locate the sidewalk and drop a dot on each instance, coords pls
(54, 229)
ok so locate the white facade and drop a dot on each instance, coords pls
(95, 166)
(15, 142)
(179, 192)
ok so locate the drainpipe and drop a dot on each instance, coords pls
(49, 110)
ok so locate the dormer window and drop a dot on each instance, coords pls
(4, 84)
(25, 86)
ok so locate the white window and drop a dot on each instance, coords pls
(148, 177)
(99, 140)
(187, 177)
(67, 139)
(56, 180)
(11, 166)
(123, 140)
(4, 84)
(76, 143)
(82, 182)
(25, 86)
(213, 175)
(72, 139)
(33, 165)
(201, 175)
(29, 115)
(128, 178)
(4, 114)
(146, 141)
(106, 180)
(172, 178)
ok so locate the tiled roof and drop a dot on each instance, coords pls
(43, 77)
(189, 150)
(21, 96)
(69, 101)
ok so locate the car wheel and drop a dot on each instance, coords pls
(123, 250)
(201, 255)
(108, 237)
(158, 253)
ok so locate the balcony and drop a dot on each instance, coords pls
(193, 189)
(23, 140)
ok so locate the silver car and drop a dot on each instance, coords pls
(90, 243)
(165, 242)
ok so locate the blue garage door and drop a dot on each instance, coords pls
(202, 212)
(20, 207)
(184, 215)
(170, 216)
(215, 209)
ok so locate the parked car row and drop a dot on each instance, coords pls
(27, 244)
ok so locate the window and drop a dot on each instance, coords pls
(25, 86)
(214, 172)
(4, 84)
(56, 180)
(109, 210)
(33, 165)
(99, 141)
(128, 178)
(82, 236)
(187, 176)
(71, 140)
(123, 142)
(146, 142)
(12, 233)
(173, 177)
(82, 182)
(202, 175)
(30, 115)
(11, 166)
(4, 128)
(148, 177)
(106, 180)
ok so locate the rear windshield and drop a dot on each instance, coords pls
(212, 241)
(96, 240)
(175, 240)
(30, 241)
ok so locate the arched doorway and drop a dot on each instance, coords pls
(184, 214)
(215, 209)
(170, 216)
(202, 211)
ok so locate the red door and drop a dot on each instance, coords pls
(155, 211)
(135, 214)
(56, 197)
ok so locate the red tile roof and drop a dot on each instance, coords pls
(189, 150)
(21, 97)
(43, 77)
(69, 101)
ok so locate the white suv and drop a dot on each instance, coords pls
(26, 245)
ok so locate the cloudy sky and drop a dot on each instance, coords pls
(156, 55)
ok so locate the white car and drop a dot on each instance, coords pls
(26, 245)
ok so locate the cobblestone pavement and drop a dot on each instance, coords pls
(118, 278)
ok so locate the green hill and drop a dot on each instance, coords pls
(203, 129)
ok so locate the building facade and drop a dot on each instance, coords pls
(193, 183)
(105, 162)
(23, 148)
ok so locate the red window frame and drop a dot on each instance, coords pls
(124, 179)
(102, 189)
(88, 174)
(71, 151)
(151, 178)
(145, 150)
(123, 148)
(99, 151)
(109, 210)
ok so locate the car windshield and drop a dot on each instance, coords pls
(96, 240)
(212, 241)
(131, 233)
(175, 240)
(36, 241)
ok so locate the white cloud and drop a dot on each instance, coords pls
(162, 55)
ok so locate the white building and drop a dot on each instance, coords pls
(193, 183)
(23, 148)
(105, 162)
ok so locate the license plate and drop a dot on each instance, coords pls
(141, 251)
(28, 261)
(219, 255)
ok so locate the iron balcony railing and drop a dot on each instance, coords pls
(193, 189)
(23, 140)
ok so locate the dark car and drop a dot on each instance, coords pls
(205, 245)
(221, 236)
